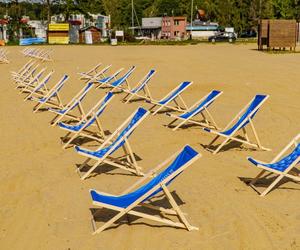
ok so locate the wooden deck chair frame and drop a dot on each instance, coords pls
(69, 106)
(280, 175)
(147, 95)
(130, 163)
(90, 73)
(86, 118)
(29, 86)
(26, 77)
(209, 120)
(114, 88)
(3, 56)
(33, 52)
(98, 76)
(45, 55)
(244, 131)
(41, 89)
(177, 106)
(110, 78)
(49, 96)
(175, 210)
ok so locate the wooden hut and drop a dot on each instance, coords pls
(90, 34)
(58, 33)
(277, 34)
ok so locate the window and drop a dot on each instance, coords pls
(176, 22)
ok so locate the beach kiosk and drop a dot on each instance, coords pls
(58, 33)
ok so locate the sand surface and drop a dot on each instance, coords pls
(44, 204)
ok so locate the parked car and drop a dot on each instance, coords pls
(223, 37)
(248, 34)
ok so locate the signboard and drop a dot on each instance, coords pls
(58, 27)
(119, 33)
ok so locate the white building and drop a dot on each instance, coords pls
(39, 28)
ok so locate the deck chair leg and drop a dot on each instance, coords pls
(132, 158)
(211, 118)
(257, 177)
(172, 122)
(83, 164)
(110, 222)
(37, 107)
(204, 119)
(125, 98)
(129, 99)
(255, 134)
(100, 127)
(179, 125)
(183, 102)
(245, 134)
(177, 209)
(83, 177)
(70, 140)
(53, 121)
(213, 141)
(272, 185)
(160, 108)
(221, 146)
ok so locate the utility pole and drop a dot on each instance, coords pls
(191, 25)
(132, 17)
(259, 9)
(192, 7)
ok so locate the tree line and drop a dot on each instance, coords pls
(240, 14)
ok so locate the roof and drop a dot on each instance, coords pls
(202, 28)
(90, 27)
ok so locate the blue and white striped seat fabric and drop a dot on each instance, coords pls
(83, 124)
(243, 120)
(124, 201)
(200, 107)
(175, 93)
(75, 103)
(282, 164)
(120, 140)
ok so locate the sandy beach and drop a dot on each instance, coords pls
(45, 205)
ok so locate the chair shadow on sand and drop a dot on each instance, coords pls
(268, 179)
(81, 140)
(230, 145)
(106, 168)
(185, 126)
(102, 215)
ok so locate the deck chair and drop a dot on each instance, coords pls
(3, 56)
(200, 107)
(171, 97)
(39, 89)
(112, 143)
(90, 73)
(81, 127)
(141, 86)
(98, 76)
(144, 191)
(29, 86)
(48, 98)
(27, 76)
(281, 166)
(107, 79)
(117, 84)
(45, 55)
(68, 108)
(239, 123)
